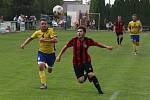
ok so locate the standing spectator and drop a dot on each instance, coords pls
(15, 18)
(109, 25)
(1, 19)
(19, 20)
(93, 24)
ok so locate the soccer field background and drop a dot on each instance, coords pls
(123, 76)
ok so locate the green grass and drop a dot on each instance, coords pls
(120, 72)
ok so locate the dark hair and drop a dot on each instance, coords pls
(43, 19)
(83, 28)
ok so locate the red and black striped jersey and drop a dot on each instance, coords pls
(119, 26)
(80, 49)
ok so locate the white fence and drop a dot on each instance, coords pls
(8, 26)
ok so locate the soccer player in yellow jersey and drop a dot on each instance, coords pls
(46, 53)
(135, 27)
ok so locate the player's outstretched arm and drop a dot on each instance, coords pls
(129, 30)
(28, 40)
(104, 46)
(61, 53)
(124, 29)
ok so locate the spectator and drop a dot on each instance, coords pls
(19, 20)
(109, 25)
(15, 18)
(1, 19)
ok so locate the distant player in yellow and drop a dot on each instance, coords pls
(135, 27)
(46, 53)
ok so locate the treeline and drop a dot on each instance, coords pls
(124, 8)
(11, 8)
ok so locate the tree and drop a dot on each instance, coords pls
(108, 11)
(98, 6)
(144, 13)
(5, 8)
(10, 8)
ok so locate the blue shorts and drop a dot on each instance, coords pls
(46, 58)
(135, 38)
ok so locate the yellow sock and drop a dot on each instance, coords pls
(42, 77)
(134, 46)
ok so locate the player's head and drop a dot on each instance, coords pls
(81, 31)
(134, 17)
(119, 18)
(43, 24)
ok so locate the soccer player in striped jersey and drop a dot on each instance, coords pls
(81, 58)
(46, 52)
(135, 27)
(119, 29)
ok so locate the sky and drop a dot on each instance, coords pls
(111, 1)
(106, 1)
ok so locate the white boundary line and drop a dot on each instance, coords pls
(114, 95)
(141, 93)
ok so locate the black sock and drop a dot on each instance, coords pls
(121, 40)
(118, 40)
(96, 84)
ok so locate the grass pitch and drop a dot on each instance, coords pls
(123, 76)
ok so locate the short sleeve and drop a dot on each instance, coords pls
(52, 33)
(34, 35)
(70, 43)
(140, 23)
(129, 25)
(91, 42)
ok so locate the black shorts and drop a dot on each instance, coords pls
(119, 33)
(80, 69)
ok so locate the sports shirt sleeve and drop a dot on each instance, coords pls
(34, 35)
(70, 43)
(91, 42)
(129, 25)
(140, 24)
(52, 33)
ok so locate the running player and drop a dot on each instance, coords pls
(135, 27)
(119, 29)
(46, 53)
(81, 58)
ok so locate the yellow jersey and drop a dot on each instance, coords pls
(135, 27)
(45, 47)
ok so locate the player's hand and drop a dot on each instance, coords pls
(42, 39)
(58, 59)
(22, 46)
(129, 31)
(109, 47)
